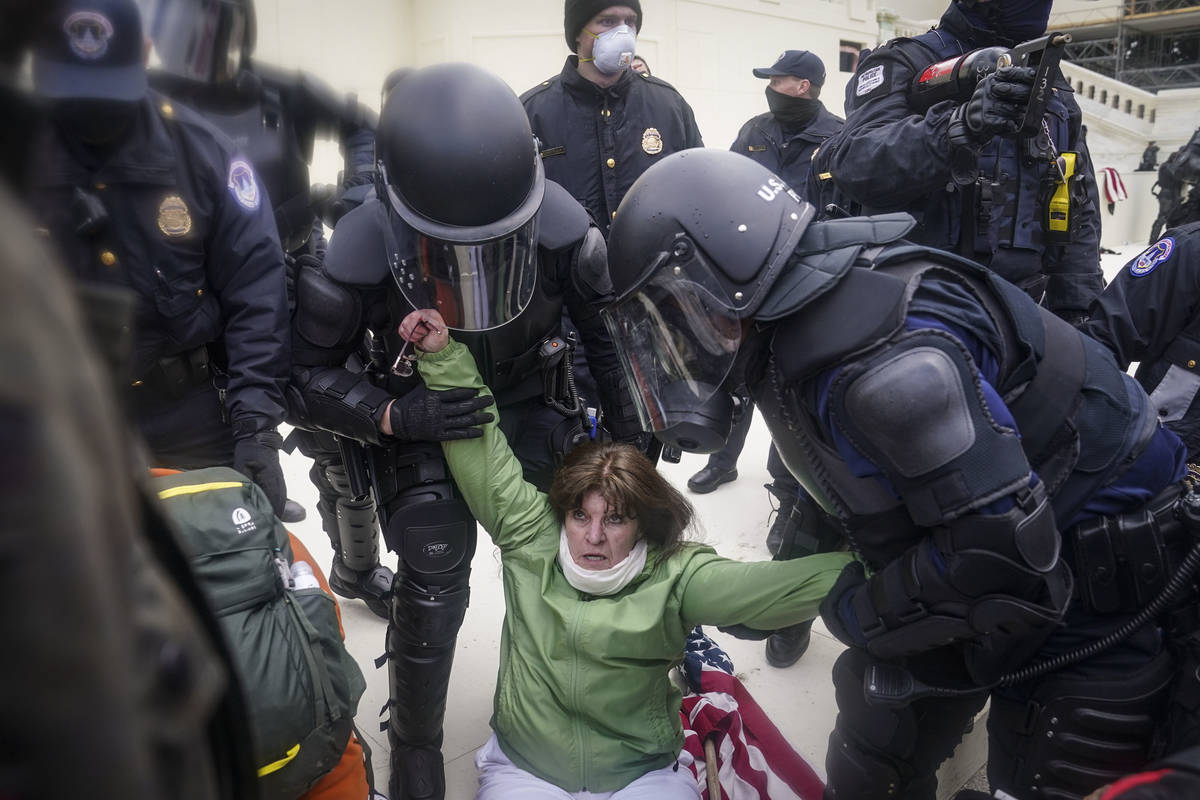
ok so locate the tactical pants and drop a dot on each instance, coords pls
(1057, 737)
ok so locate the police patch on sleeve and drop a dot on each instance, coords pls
(869, 81)
(1152, 256)
(244, 185)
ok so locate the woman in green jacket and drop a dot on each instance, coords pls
(601, 592)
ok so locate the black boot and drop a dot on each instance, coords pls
(292, 512)
(783, 515)
(417, 773)
(785, 646)
(357, 573)
(372, 586)
(709, 478)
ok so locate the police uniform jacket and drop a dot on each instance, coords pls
(596, 141)
(189, 229)
(1150, 313)
(787, 153)
(892, 157)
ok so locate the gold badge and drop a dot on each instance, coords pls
(174, 220)
(651, 141)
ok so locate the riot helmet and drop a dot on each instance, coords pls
(459, 165)
(694, 249)
(202, 40)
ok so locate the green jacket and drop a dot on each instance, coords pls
(583, 697)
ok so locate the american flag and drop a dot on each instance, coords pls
(754, 760)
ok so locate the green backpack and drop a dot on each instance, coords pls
(301, 685)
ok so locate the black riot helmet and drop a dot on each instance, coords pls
(202, 40)
(694, 250)
(462, 169)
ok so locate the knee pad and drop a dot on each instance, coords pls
(434, 533)
(1075, 734)
(855, 774)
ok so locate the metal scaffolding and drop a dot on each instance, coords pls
(1151, 44)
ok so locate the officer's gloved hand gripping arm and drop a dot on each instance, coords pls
(987, 571)
(429, 414)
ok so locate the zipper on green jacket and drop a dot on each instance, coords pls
(580, 733)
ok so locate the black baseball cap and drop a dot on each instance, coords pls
(91, 49)
(800, 63)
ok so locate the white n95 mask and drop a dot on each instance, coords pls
(614, 49)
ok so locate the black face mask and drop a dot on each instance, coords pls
(1013, 21)
(792, 112)
(98, 124)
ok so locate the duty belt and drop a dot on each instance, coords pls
(1121, 562)
(170, 379)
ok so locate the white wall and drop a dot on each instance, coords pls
(706, 48)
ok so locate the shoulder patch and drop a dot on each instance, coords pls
(244, 184)
(1152, 256)
(870, 80)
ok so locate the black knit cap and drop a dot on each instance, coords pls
(577, 13)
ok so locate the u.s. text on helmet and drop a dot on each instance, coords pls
(462, 171)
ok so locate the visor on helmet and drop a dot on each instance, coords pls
(677, 337)
(201, 40)
(474, 286)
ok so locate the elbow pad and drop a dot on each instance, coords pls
(981, 576)
(590, 267)
(341, 402)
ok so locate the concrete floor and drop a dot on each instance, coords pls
(734, 519)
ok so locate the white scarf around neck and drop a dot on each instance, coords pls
(601, 582)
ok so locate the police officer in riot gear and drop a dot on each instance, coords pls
(959, 167)
(274, 116)
(464, 221)
(142, 193)
(975, 449)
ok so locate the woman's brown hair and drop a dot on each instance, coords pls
(631, 486)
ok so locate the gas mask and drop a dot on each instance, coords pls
(678, 341)
(613, 49)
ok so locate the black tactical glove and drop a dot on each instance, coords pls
(996, 108)
(257, 457)
(425, 415)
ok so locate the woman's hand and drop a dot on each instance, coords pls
(426, 329)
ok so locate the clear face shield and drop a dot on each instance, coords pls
(201, 40)
(474, 286)
(678, 339)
